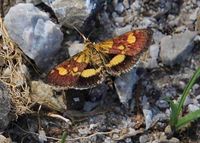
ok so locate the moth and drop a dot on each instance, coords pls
(98, 60)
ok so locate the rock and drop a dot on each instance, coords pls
(162, 117)
(119, 8)
(192, 107)
(169, 92)
(3, 139)
(122, 30)
(124, 86)
(144, 139)
(126, 4)
(153, 51)
(128, 140)
(73, 12)
(128, 18)
(168, 130)
(119, 20)
(193, 16)
(164, 139)
(172, 7)
(5, 107)
(147, 22)
(35, 2)
(84, 131)
(188, 100)
(88, 106)
(157, 36)
(181, 85)
(98, 92)
(174, 140)
(176, 48)
(162, 104)
(136, 6)
(37, 36)
(43, 94)
(75, 48)
(148, 115)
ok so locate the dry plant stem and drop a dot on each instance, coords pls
(13, 74)
(74, 139)
(60, 117)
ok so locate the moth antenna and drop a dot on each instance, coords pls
(80, 33)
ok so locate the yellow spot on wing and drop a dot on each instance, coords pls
(82, 58)
(106, 44)
(131, 38)
(116, 60)
(75, 69)
(121, 47)
(62, 71)
(90, 72)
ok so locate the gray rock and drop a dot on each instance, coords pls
(119, 8)
(176, 48)
(152, 61)
(75, 48)
(171, 6)
(88, 106)
(169, 92)
(35, 2)
(124, 86)
(98, 92)
(72, 12)
(192, 107)
(147, 22)
(162, 104)
(189, 100)
(157, 36)
(144, 138)
(126, 4)
(137, 6)
(119, 20)
(193, 16)
(162, 117)
(128, 18)
(128, 140)
(37, 36)
(148, 115)
(122, 30)
(5, 106)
